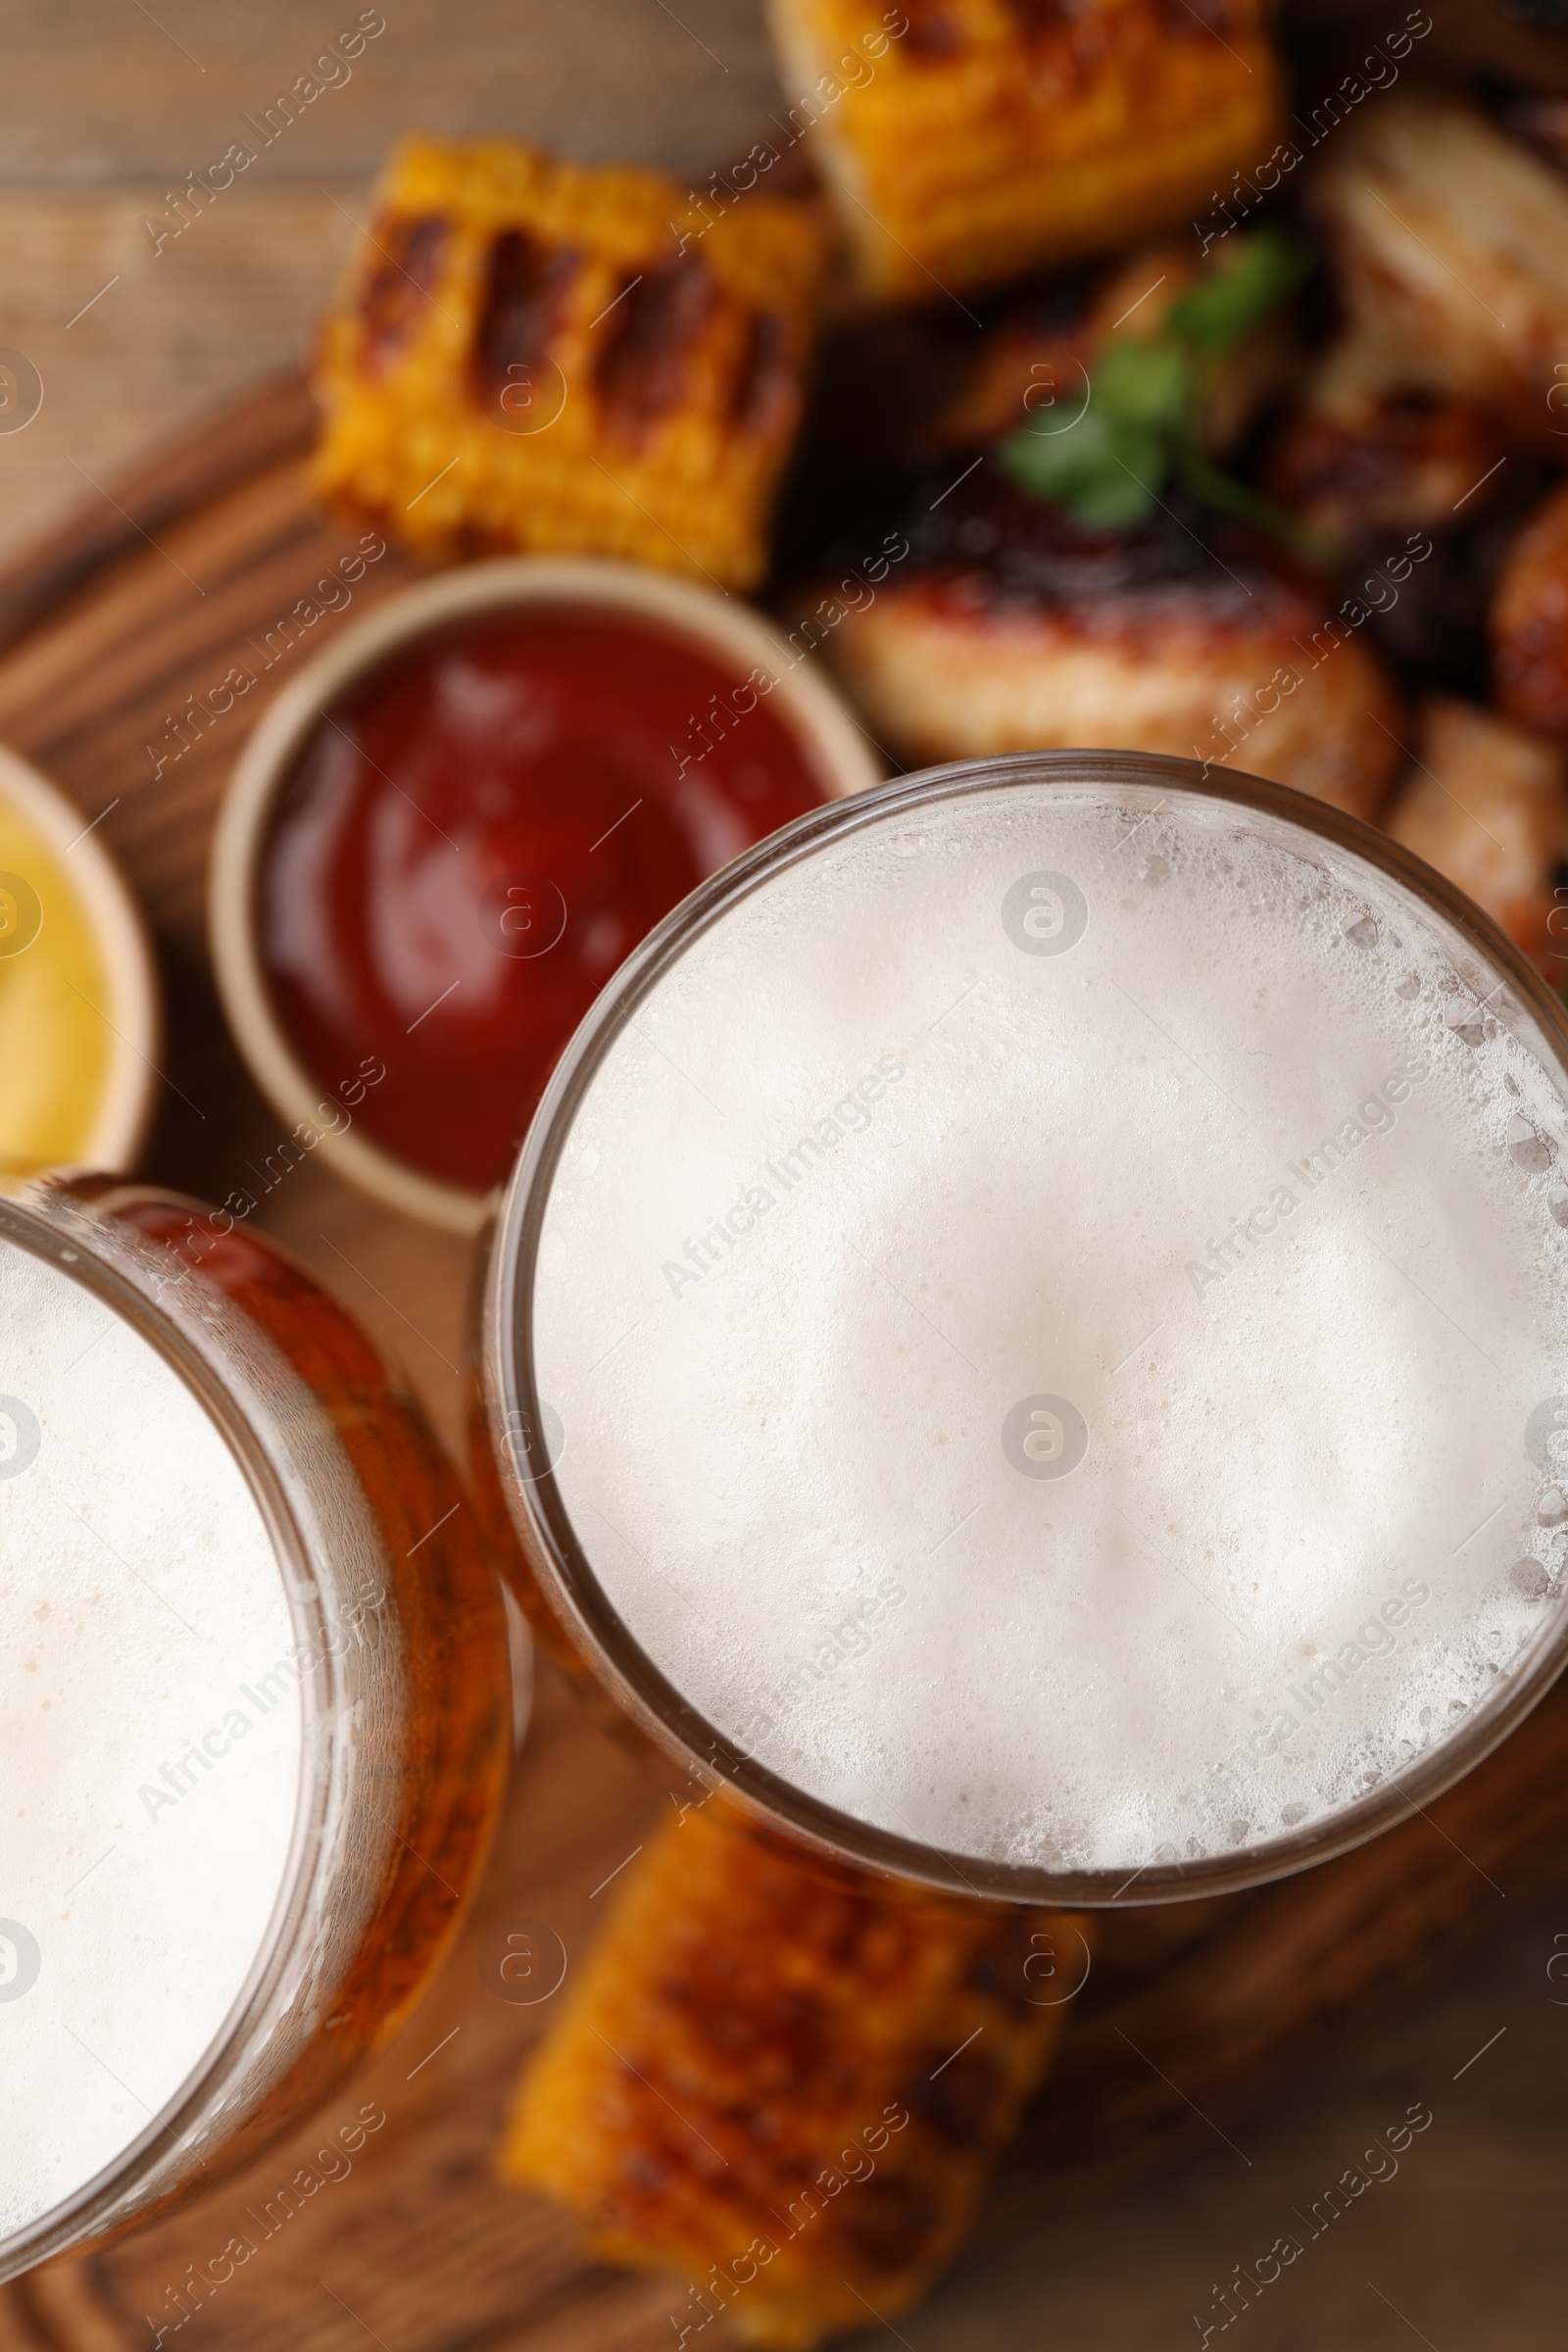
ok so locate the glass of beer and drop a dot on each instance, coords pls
(1030, 1333)
(254, 1702)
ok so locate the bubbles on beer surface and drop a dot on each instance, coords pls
(149, 1744)
(1528, 1150)
(1222, 1179)
(1530, 1578)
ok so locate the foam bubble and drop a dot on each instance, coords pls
(1045, 1310)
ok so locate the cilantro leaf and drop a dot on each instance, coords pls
(1107, 469)
(1152, 385)
(1234, 298)
(1141, 424)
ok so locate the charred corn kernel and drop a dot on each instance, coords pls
(967, 140)
(533, 357)
(787, 2089)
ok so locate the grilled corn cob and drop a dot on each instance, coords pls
(787, 2089)
(532, 356)
(967, 140)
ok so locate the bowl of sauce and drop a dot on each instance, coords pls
(79, 998)
(448, 832)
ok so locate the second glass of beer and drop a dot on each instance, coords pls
(1029, 1334)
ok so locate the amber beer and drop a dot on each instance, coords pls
(254, 1708)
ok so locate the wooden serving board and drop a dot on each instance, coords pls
(133, 615)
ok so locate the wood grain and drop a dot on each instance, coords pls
(1195, 2017)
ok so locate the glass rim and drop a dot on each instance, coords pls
(561, 1562)
(111, 2195)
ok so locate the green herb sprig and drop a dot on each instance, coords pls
(1141, 426)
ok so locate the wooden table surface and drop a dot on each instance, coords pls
(104, 106)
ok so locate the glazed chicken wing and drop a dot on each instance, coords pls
(1010, 628)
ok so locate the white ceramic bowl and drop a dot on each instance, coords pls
(117, 1135)
(722, 626)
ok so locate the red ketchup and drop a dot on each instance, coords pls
(477, 835)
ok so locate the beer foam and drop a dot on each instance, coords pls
(151, 1751)
(1055, 1308)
